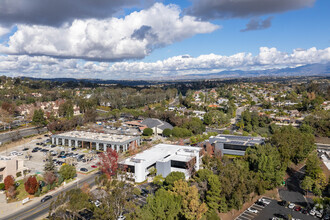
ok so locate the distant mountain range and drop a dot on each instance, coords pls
(307, 70)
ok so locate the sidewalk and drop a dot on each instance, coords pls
(10, 208)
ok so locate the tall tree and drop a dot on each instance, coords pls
(109, 162)
(31, 185)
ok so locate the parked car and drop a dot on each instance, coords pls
(282, 203)
(260, 203)
(53, 145)
(266, 201)
(94, 166)
(312, 212)
(34, 150)
(84, 169)
(297, 208)
(46, 198)
(291, 205)
(252, 210)
(25, 149)
(304, 211)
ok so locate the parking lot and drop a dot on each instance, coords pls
(35, 154)
(273, 210)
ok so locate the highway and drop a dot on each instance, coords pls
(39, 210)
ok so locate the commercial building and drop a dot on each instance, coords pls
(165, 158)
(233, 144)
(10, 166)
(96, 141)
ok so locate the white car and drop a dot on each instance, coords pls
(265, 201)
(291, 205)
(252, 210)
(312, 212)
(97, 203)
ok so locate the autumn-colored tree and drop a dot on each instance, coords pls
(49, 177)
(9, 181)
(85, 188)
(191, 208)
(109, 162)
(209, 149)
(133, 148)
(11, 192)
(31, 185)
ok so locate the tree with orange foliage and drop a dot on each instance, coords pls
(109, 162)
(133, 148)
(9, 181)
(209, 149)
(31, 185)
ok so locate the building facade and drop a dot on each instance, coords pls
(96, 141)
(165, 158)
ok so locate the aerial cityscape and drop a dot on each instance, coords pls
(147, 109)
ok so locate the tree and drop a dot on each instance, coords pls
(147, 132)
(49, 177)
(162, 205)
(172, 177)
(213, 196)
(313, 166)
(49, 165)
(158, 180)
(31, 185)
(9, 181)
(109, 162)
(167, 132)
(307, 184)
(38, 118)
(66, 109)
(67, 172)
(191, 208)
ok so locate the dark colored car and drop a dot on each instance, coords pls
(280, 216)
(46, 198)
(304, 211)
(34, 150)
(53, 145)
(83, 169)
(260, 203)
(282, 203)
(25, 149)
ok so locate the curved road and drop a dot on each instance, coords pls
(39, 210)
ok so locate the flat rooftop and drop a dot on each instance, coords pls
(237, 140)
(84, 135)
(162, 152)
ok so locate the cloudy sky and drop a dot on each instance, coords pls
(144, 39)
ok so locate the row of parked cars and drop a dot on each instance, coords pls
(313, 212)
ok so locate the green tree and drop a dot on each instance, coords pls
(213, 196)
(172, 177)
(167, 132)
(66, 109)
(163, 205)
(307, 184)
(158, 180)
(38, 118)
(67, 172)
(49, 165)
(313, 166)
(147, 132)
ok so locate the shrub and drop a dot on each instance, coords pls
(2, 186)
(18, 174)
(167, 132)
(147, 132)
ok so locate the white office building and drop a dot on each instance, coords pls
(165, 158)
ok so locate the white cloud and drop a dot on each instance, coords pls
(4, 30)
(268, 58)
(131, 37)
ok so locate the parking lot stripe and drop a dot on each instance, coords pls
(241, 216)
(248, 214)
(257, 207)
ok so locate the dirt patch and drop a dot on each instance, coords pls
(322, 140)
(235, 213)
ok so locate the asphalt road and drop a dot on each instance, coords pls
(39, 210)
(17, 134)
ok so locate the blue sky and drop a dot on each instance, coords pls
(146, 39)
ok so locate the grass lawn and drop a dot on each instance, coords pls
(21, 193)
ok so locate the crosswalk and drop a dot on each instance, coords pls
(247, 215)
